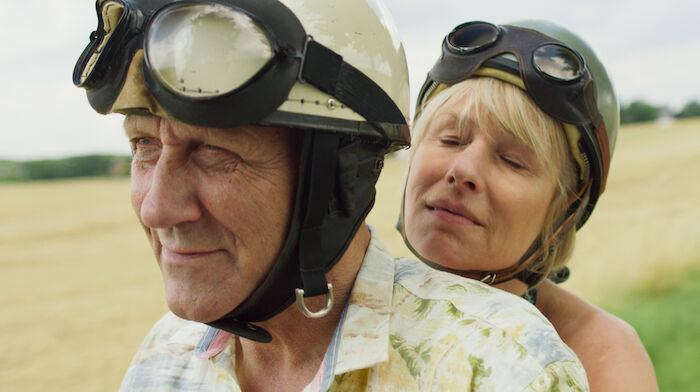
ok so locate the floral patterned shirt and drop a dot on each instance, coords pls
(406, 327)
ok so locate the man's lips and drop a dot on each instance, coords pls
(452, 212)
(182, 255)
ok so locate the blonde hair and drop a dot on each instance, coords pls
(488, 100)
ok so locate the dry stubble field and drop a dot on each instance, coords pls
(80, 287)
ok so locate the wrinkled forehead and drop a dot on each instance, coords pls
(260, 137)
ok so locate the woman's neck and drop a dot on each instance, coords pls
(513, 286)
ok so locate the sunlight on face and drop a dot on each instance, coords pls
(215, 205)
(476, 199)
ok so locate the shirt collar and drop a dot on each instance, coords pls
(361, 339)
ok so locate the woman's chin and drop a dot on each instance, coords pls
(444, 257)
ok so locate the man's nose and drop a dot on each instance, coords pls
(171, 198)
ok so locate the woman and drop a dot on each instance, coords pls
(511, 149)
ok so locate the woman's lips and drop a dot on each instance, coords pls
(453, 213)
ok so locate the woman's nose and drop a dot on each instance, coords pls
(468, 169)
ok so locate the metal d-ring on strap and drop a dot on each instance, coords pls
(488, 279)
(326, 309)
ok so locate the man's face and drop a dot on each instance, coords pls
(215, 205)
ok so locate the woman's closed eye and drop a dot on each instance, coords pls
(513, 161)
(450, 141)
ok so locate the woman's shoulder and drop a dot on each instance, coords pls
(609, 348)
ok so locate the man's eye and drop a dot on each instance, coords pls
(216, 159)
(212, 152)
(140, 142)
(210, 147)
(145, 148)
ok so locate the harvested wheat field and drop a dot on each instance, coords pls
(80, 287)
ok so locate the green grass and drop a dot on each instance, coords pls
(667, 319)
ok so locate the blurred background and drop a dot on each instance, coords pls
(80, 288)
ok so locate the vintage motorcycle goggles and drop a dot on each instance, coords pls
(222, 63)
(555, 77)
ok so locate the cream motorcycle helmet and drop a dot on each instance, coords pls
(335, 70)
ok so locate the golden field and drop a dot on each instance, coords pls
(80, 287)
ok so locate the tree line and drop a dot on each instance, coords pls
(119, 165)
(81, 166)
(640, 111)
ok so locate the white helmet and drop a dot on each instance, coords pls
(334, 69)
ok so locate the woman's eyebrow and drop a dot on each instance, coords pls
(444, 119)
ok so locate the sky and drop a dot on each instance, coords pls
(651, 49)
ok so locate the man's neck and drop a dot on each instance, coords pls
(292, 359)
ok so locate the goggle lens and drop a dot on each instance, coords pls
(472, 36)
(558, 62)
(206, 50)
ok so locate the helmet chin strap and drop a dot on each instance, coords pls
(334, 195)
(521, 270)
(284, 274)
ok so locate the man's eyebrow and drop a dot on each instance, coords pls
(133, 124)
(128, 124)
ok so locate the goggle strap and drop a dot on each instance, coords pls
(602, 136)
(515, 80)
(275, 293)
(326, 70)
(564, 224)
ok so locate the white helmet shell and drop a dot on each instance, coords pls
(363, 32)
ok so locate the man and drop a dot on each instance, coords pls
(258, 130)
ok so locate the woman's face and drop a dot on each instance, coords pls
(474, 202)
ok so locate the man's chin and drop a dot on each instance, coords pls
(196, 311)
(198, 316)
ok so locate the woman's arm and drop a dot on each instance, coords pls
(608, 347)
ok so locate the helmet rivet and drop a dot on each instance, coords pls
(332, 104)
